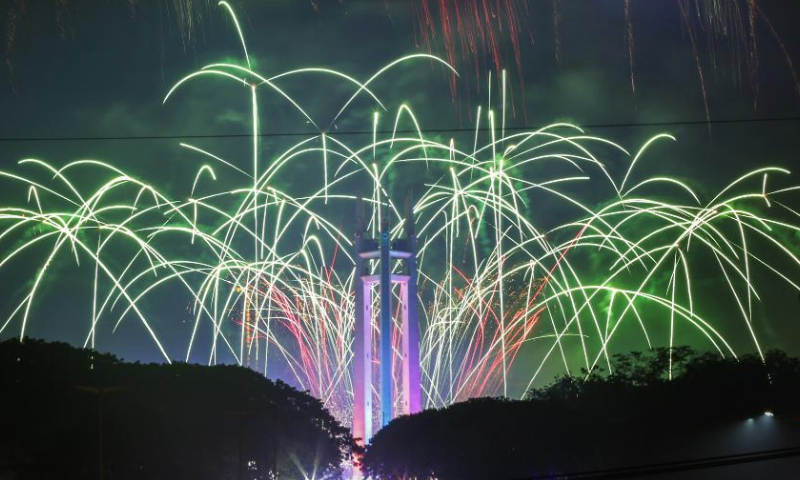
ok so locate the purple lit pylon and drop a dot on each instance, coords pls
(385, 251)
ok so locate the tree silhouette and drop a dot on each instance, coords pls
(631, 415)
(167, 421)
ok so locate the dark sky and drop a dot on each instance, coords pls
(97, 69)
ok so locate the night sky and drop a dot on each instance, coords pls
(100, 69)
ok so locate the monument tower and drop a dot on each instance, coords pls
(385, 252)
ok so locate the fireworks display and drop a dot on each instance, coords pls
(268, 265)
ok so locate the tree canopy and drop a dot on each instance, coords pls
(634, 413)
(156, 421)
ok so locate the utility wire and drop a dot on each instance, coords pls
(677, 466)
(385, 132)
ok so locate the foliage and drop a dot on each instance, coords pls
(587, 423)
(159, 421)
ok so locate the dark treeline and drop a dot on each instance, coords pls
(158, 421)
(633, 416)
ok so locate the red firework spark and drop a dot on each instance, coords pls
(473, 31)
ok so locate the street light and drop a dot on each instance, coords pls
(100, 392)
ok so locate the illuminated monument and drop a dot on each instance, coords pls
(384, 251)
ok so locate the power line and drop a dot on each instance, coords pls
(677, 466)
(385, 132)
